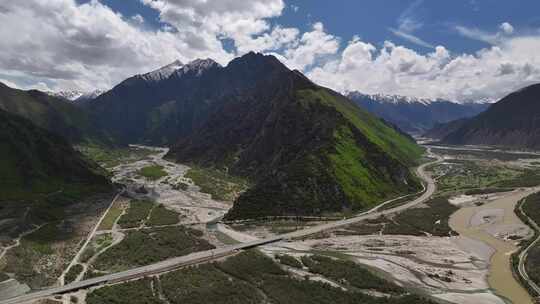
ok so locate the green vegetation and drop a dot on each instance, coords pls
(487, 191)
(162, 216)
(530, 206)
(384, 136)
(3, 277)
(135, 292)
(147, 246)
(112, 157)
(26, 261)
(466, 175)
(349, 273)
(72, 273)
(53, 114)
(360, 185)
(110, 218)
(251, 277)
(35, 164)
(247, 278)
(136, 214)
(206, 284)
(288, 260)
(217, 183)
(153, 172)
(529, 178)
(432, 219)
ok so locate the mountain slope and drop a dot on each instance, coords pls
(35, 162)
(514, 121)
(415, 115)
(160, 106)
(441, 130)
(54, 114)
(306, 149)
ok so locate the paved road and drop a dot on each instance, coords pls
(205, 256)
(523, 255)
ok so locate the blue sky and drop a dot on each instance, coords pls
(461, 50)
(372, 20)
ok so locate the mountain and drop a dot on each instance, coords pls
(76, 96)
(306, 149)
(35, 163)
(441, 130)
(163, 105)
(415, 115)
(54, 114)
(514, 121)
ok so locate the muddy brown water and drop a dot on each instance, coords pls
(500, 276)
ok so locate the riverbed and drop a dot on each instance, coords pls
(496, 225)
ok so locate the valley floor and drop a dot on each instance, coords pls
(454, 248)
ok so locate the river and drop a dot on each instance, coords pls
(482, 223)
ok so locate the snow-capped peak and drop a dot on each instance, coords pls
(394, 99)
(197, 66)
(76, 95)
(68, 95)
(163, 72)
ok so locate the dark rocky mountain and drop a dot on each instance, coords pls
(54, 114)
(415, 115)
(514, 121)
(305, 148)
(441, 130)
(35, 163)
(163, 105)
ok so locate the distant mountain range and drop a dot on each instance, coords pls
(54, 114)
(305, 149)
(416, 115)
(513, 122)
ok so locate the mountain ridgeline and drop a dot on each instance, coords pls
(306, 149)
(414, 115)
(54, 114)
(514, 122)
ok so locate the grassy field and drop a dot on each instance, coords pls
(247, 278)
(289, 260)
(136, 214)
(162, 216)
(350, 273)
(136, 292)
(147, 246)
(109, 158)
(28, 260)
(72, 273)
(431, 218)
(217, 183)
(153, 172)
(464, 175)
(110, 218)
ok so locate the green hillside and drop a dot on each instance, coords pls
(35, 163)
(56, 115)
(305, 149)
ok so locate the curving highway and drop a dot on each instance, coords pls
(205, 256)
